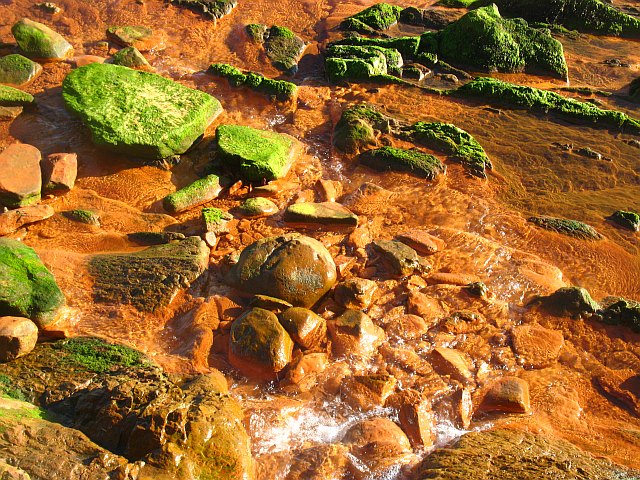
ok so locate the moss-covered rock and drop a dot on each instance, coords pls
(377, 17)
(83, 216)
(39, 41)
(628, 220)
(568, 301)
(284, 48)
(281, 90)
(255, 155)
(16, 70)
(258, 207)
(447, 138)
(408, 47)
(505, 93)
(483, 39)
(291, 267)
(358, 126)
(571, 228)
(201, 191)
(582, 15)
(214, 9)
(12, 97)
(257, 32)
(138, 113)
(363, 62)
(325, 213)
(130, 35)
(148, 279)
(132, 58)
(398, 159)
(215, 220)
(27, 288)
(621, 311)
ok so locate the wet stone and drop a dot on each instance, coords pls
(20, 176)
(284, 48)
(201, 191)
(402, 259)
(569, 301)
(326, 213)
(40, 42)
(18, 336)
(416, 417)
(628, 220)
(154, 238)
(14, 219)
(536, 346)
(132, 58)
(216, 220)
(269, 303)
(395, 159)
(355, 293)
(18, 71)
(366, 392)
(353, 333)
(319, 463)
(505, 395)
(422, 242)
(83, 216)
(258, 207)
(571, 228)
(140, 37)
(305, 327)
(407, 327)
(452, 362)
(214, 9)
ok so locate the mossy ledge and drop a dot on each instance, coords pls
(281, 90)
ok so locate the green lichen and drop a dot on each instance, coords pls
(377, 17)
(509, 94)
(99, 356)
(628, 220)
(12, 97)
(281, 90)
(572, 228)
(82, 216)
(357, 128)
(196, 193)
(413, 161)
(18, 70)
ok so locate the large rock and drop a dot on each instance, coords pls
(17, 70)
(18, 336)
(259, 345)
(20, 177)
(505, 395)
(149, 279)
(291, 267)
(39, 41)
(14, 219)
(27, 288)
(255, 155)
(138, 113)
(59, 172)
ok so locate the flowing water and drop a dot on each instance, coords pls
(483, 222)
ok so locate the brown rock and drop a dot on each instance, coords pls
(416, 417)
(505, 395)
(407, 327)
(451, 362)
(463, 406)
(20, 177)
(353, 333)
(18, 336)
(329, 190)
(355, 293)
(460, 279)
(305, 371)
(10, 113)
(462, 322)
(359, 238)
(622, 392)
(59, 171)
(426, 307)
(14, 219)
(422, 242)
(366, 392)
(536, 346)
(305, 327)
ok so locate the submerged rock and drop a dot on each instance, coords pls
(214, 9)
(201, 191)
(354, 334)
(325, 213)
(628, 220)
(17, 71)
(154, 238)
(572, 228)
(28, 289)
(137, 36)
(505, 395)
(18, 336)
(20, 176)
(12, 97)
(402, 259)
(357, 128)
(39, 41)
(281, 90)
(283, 47)
(355, 293)
(569, 301)
(149, 279)
(397, 159)
(291, 267)
(422, 242)
(258, 207)
(83, 216)
(164, 121)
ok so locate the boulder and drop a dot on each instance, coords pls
(18, 71)
(357, 128)
(27, 288)
(259, 346)
(284, 48)
(39, 41)
(150, 278)
(18, 336)
(354, 334)
(305, 327)
(20, 177)
(12, 97)
(397, 159)
(505, 395)
(325, 213)
(377, 17)
(201, 191)
(255, 155)
(536, 346)
(59, 172)
(291, 267)
(355, 293)
(14, 219)
(165, 121)
(401, 259)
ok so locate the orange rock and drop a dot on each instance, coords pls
(426, 307)
(407, 327)
(422, 242)
(306, 369)
(451, 362)
(536, 346)
(18, 336)
(416, 417)
(460, 279)
(366, 392)
(14, 219)
(353, 333)
(355, 293)
(20, 176)
(305, 327)
(505, 395)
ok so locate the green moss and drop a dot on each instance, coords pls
(18, 70)
(214, 217)
(130, 57)
(284, 48)
(393, 59)
(39, 41)
(457, 143)
(355, 25)
(214, 9)
(621, 311)
(455, 3)
(257, 32)
(7, 389)
(357, 128)
(281, 90)
(628, 220)
(128, 35)
(28, 412)
(257, 206)
(328, 213)
(413, 161)
(196, 193)
(407, 46)
(352, 62)
(138, 113)
(378, 17)
(12, 97)
(504, 93)
(98, 356)
(82, 216)
(572, 228)
(27, 288)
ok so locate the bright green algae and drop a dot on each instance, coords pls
(36, 40)
(413, 161)
(356, 128)
(138, 113)
(377, 17)
(12, 97)
(197, 193)
(18, 70)
(280, 89)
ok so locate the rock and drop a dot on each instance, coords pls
(303, 373)
(355, 293)
(449, 361)
(291, 267)
(83, 60)
(415, 71)
(401, 259)
(447, 278)
(426, 307)
(329, 190)
(357, 128)
(624, 393)
(362, 63)
(9, 113)
(255, 155)
(305, 327)
(257, 32)
(18, 71)
(258, 207)
(462, 322)
(18, 336)
(59, 172)
(14, 219)
(39, 41)
(511, 454)
(505, 395)
(377, 17)
(536, 346)
(20, 177)
(132, 58)
(154, 238)
(216, 220)
(214, 9)
(28, 289)
(201, 191)
(463, 407)
(354, 334)
(326, 213)
(259, 346)
(281, 90)
(165, 121)
(319, 462)
(148, 279)
(569, 301)
(269, 303)
(140, 37)
(83, 216)
(416, 418)
(284, 48)
(366, 392)
(628, 220)
(12, 97)
(49, 7)
(422, 242)
(621, 311)
(407, 327)
(477, 289)
(572, 228)
(397, 159)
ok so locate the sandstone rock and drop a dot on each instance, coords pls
(354, 334)
(366, 392)
(140, 37)
(132, 58)
(18, 71)
(449, 361)
(422, 242)
(505, 395)
(59, 172)
(258, 207)
(326, 213)
(329, 190)
(355, 293)
(536, 346)
(446, 278)
(291, 267)
(402, 260)
(20, 177)
(201, 191)
(305, 327)
(39, 41)
(426, 307)
(259, 346)
(14, 219)
(416, 417)
(569, 301)
(407, 327)
(18, 336)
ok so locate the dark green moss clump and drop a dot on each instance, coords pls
(413, 161)
(454, 141)
(621, 311)
(82, 216)
(504, 93)
(628, 220)
(357, 128)
(7, 389)
(12, 97)
(377, 17)
(214, 9)
(571, 228)
(257, 32)
(98, 356)
(281, 90)
(194, 194)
